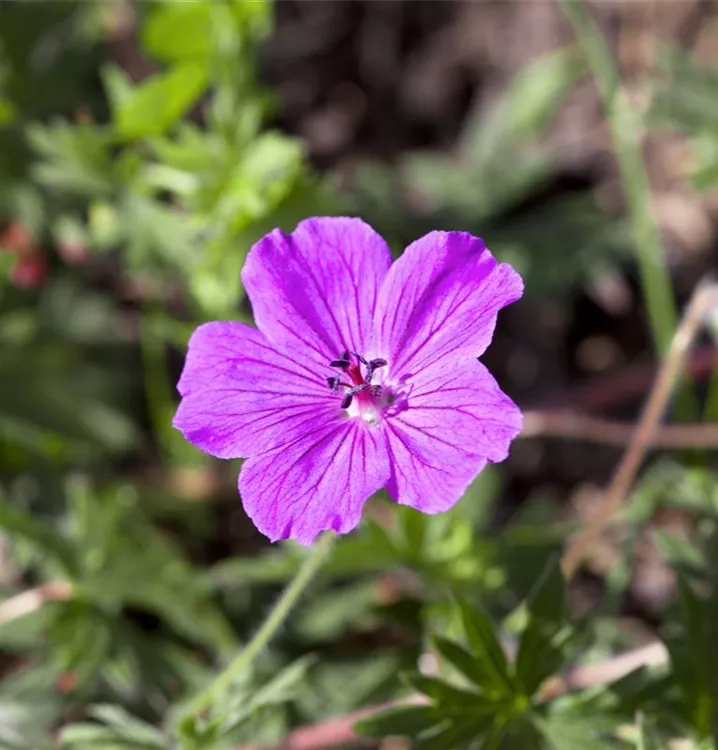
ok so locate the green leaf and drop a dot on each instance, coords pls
(685, 97)
(694, 659)
(160, 101)
(486, 649)
(336, 611)
(412, 526)
(644, 740)
(371, 682)
(74, 158)
(119, 731)
(283, 685)
(499, 163)
(400, 721)
(243, 701)
(461, 660)
(273, 566)
(532, 98)
(705, 178)
(695, 621)
(118, 84)
(85, 734)
(82, 639)
(127, 726)
(450, 698)
(45, 540)
(454, 735)
(538, 656)
(176, 32)
(8, 112)
(547, 602)
(519, 733)
(681, 554)
(571, 730)
(369, 550)
(157, 232)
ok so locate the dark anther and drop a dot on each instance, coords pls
(333, 383)
(360, 358)
(343, 362)
(375, 390)
(375, 364)
(349, 395)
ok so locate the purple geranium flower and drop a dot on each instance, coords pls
(360, 375)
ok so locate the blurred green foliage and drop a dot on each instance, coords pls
(129, 196)
(485, 186)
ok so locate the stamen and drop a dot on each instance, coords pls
(349, 395)
(333, 383)
(375, 364)
(343, 362)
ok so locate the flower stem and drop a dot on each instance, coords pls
(284, 605)
(625, 126)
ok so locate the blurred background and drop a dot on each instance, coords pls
(144, 146)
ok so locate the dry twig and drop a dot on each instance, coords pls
(32, 599)
(704, 298)
(610, 670)
(569, 425)
(330, 733)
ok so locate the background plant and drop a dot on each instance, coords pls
(143, 148)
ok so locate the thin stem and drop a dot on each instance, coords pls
(625, 129)
(585, 427)
(284, 605)
(625, 126)
(704, 298)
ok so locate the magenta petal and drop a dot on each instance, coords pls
(440, 299)
(318, 482)
(241, 397)
(316, 289)
(456, 418)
